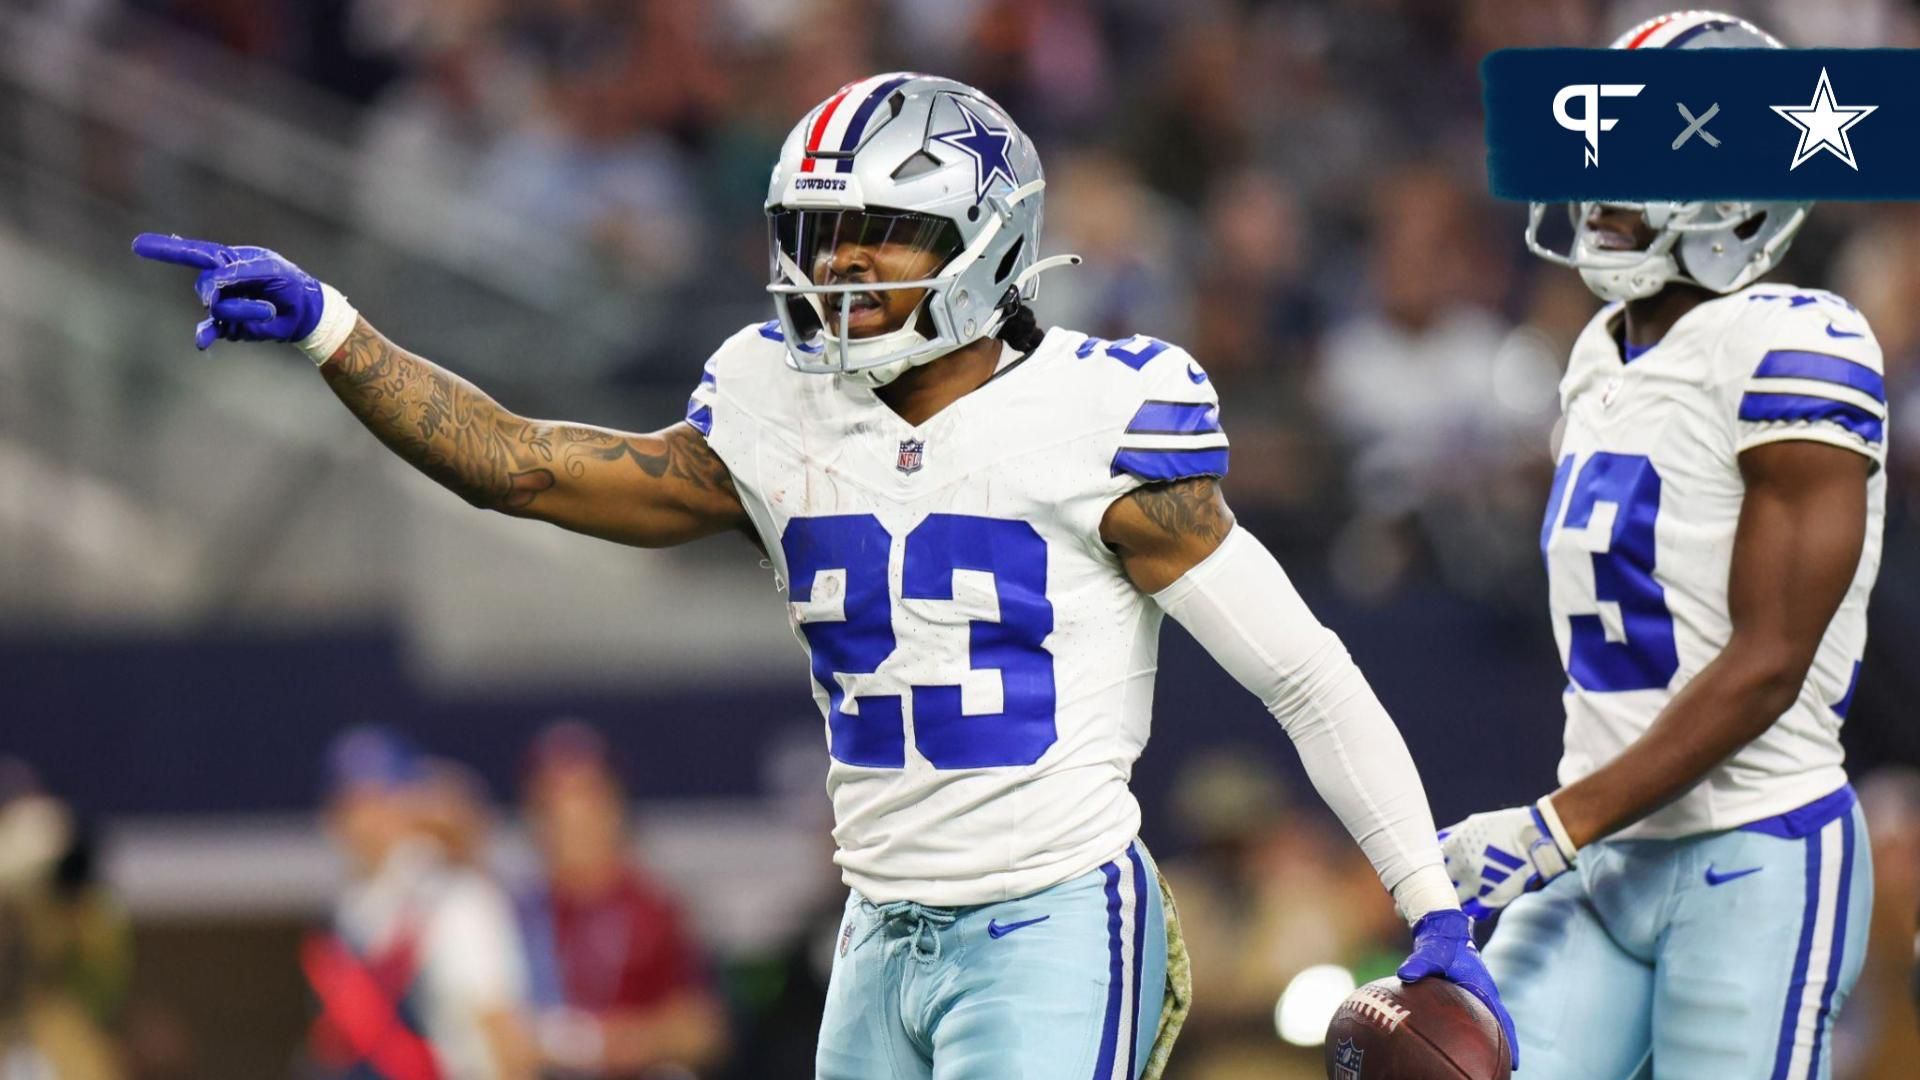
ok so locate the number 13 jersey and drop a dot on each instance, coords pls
(1640, 526)
(984, 666)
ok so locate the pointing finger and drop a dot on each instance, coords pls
(204, 335)
(201, 254)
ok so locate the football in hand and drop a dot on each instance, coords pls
(1429, 1030)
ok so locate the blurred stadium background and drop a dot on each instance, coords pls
(208, 572)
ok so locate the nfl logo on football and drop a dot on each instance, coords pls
(913, 453)
(1346, 1060)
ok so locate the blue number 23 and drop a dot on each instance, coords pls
(874, 733)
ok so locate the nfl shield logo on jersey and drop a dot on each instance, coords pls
(912, 453)
(1346, 1060)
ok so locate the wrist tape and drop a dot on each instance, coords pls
(337, 319)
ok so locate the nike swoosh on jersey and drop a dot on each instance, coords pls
(1831, 332)
(997, 929)
(1196, 375)
(1722, 879)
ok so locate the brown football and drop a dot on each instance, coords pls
(1429, 1030)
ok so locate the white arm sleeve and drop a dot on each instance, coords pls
(1239, 604)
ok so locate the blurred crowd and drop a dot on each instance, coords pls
(433, 966)
(443, 959)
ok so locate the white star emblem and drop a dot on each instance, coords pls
(1823, 125)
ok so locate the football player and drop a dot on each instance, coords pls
(979, 525)
(1695, 895)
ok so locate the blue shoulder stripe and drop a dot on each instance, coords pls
(700, 417)
(1794, 364)
(1170, 464)
(1175, 418)
(1758, 406)
(771, 330)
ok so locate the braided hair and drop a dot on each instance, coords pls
(1021, 330)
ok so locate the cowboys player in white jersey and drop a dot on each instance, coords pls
(1693, 900)
(979, 526)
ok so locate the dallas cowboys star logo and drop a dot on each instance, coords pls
(1823, 125)
(986, 145)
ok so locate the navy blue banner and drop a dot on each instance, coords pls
(1703, 124)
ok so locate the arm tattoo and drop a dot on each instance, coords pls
(1186, 508)
(451, 430)
(683, 456)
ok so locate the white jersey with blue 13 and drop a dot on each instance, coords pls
(1639, 531)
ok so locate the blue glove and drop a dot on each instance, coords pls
(1443, 947)
(250, 293)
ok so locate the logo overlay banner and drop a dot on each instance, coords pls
(1702, 124)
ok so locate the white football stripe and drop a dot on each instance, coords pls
(1202, 441)
(1818, 388)
(1806, 1024)
(1128, 913)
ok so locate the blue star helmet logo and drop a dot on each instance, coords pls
(986, 145)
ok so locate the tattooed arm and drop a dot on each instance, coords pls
(648, 490)
(1163, 530)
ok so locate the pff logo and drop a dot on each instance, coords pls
(1590, 123)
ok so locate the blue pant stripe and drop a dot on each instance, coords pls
(1110, 1031)
(1838, 952)
(1790, 1018)
(1139, 952)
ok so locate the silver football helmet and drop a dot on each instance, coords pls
(1720, 246)
(913, 160)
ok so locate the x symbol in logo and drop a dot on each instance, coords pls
(1696, 126)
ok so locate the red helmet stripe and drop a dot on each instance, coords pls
(1648, 32)
(820, 125)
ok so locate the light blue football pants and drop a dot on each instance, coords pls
(1723, 956)
(1065, 984)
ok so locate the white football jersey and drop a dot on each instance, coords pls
(984, 666)
(1639, 531)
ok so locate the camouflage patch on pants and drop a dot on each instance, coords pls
(1173, 1009)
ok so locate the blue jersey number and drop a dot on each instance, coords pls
(1132, 351)
(874, 733)
(1622, 574)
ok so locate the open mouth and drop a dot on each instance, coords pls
(864, 311)
(1612, 239)
(1616, 229)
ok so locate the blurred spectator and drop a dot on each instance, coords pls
(1131, 281)
(782, 991)
(1431, 390)
(620, 982)
(456, 811)
(424, 969)
(63, 944)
